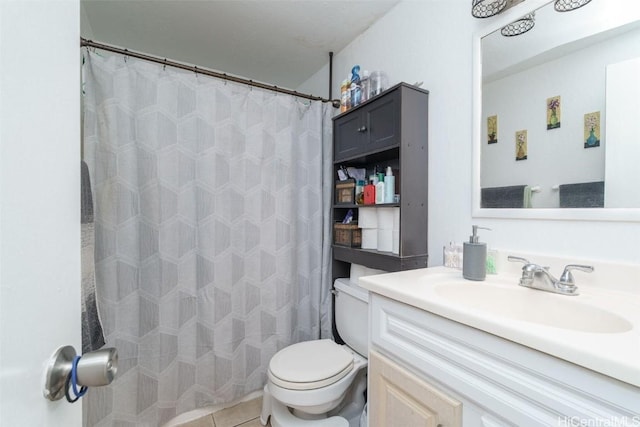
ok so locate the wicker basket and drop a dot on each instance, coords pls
(345, 192)
(347, 235)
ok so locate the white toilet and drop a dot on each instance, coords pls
(320, 383)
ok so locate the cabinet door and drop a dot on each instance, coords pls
(397, 398)
(348, 136)
(382, 120)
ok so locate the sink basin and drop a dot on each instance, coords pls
(523, 304)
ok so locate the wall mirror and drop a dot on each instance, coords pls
(556, 113)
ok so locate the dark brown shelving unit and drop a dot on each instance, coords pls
(389, 129)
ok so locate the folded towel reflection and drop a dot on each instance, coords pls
(582, 195)
(526, 199)
(92, 333)
(503, 197)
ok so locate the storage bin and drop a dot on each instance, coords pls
(345, 192)
(347, 235)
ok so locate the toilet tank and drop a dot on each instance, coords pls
(352, 315)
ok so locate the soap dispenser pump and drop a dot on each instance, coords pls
(474, 257)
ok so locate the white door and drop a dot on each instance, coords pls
(39, 203)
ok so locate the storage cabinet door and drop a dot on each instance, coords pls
(348, 136)
(399, 398)
(382, 119)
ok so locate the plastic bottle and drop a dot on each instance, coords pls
(356, 90)
(344, 94)
(389, 186)
(366, 86)
(380, 191)
(379, 82)
(369, 193)
(360, 192)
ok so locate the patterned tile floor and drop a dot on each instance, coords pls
(246, 414)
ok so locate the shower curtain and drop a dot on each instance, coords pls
(212, 234)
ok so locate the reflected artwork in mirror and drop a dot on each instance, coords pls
(572, 83)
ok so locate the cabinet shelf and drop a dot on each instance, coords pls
(380, 260)
(371, 157)
(378, 205)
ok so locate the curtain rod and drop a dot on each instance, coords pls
(126, 52)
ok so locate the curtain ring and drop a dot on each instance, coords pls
(225, 78)
(164, 67)
(250, 85)
(126, 51)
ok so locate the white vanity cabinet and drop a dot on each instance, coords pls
(401, 398)
(426, 370)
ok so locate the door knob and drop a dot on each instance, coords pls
(93, 369)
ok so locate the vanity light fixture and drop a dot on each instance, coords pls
(519, 26)
(569, 5)
(487, 8)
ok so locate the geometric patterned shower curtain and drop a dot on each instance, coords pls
(212, 233)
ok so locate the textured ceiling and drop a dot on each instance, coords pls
(278, 42)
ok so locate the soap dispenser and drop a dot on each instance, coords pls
(474, 257)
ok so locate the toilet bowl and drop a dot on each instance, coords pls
(321, 383)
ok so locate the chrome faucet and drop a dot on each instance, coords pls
(538, 277)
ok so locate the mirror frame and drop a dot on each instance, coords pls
(590, 214)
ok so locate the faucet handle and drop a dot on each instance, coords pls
(528, 269)
(567, 278)
(518, 259)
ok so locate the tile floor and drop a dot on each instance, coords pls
(246, 414)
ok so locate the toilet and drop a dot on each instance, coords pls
(320, 383)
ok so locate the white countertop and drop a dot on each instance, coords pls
(614, 354)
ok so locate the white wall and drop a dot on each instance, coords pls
(39, 204)
(431, 41)
(555, 156)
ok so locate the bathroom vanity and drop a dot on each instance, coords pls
(450, 352)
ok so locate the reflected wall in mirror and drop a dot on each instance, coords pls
(590, 59)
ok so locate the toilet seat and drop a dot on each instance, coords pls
(310, 365)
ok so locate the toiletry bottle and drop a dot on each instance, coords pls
(380, 190)
(344, 94)
(365, 83)
(474, 257)
(347, 100)
(377, 83)
(360, 192)
(369, 193)
(356, 90)
(375, 175)
(389, 186)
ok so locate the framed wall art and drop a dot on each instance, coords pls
(553, 112)
(521, 145)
